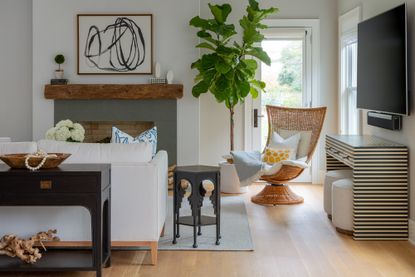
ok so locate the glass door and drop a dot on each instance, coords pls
(288, 79)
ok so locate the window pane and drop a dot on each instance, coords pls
(284, 78)
(351, 118)
(354, 64)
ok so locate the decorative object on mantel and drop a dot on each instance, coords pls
(157, 74)
(59, 81)
(66, 130)
(59, 59)
(113, 91)
(157, 70)
(225, 70)
(115, 44)
(170, 77)
(25, 249)
(158, 81)
(34, 161)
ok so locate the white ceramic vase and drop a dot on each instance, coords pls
(157, 70)
(170, 77)
(59, 74)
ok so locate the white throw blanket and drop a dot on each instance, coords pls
(250, 167)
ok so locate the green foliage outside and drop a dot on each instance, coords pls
(291, 73)
(286, 87)
(226, 71)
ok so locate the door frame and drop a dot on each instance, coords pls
(314, 25)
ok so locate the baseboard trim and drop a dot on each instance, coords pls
(120, 244)
(412, 231)
(320, 178)
(153, 245)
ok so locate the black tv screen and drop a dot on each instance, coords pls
(382, 77)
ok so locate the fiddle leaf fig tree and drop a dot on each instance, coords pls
(228, 68)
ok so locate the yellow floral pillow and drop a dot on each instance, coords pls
(273, 156)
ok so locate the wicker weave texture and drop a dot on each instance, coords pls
(293, 119)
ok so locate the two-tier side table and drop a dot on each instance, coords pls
(195, 175)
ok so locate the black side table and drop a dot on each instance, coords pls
(195, 175)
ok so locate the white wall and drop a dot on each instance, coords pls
(16, 69)
(214, 118)
(371, 8)
(54, 26)
(54, 29)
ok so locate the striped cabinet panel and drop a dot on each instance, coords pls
(380, 176)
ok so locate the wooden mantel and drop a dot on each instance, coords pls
(113, 91)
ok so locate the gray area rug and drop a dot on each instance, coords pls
(236, 235)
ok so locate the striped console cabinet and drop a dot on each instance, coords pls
(380, 176)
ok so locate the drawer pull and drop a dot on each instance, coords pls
(45, 184)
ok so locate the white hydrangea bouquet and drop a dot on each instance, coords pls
(66, 130)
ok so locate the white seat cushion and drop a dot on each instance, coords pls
(100, 152)
(273, 169)
(331, 177)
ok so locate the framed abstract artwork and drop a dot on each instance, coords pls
(115, 44)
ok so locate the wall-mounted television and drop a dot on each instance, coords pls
(382, 70)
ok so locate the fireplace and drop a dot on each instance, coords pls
(100, 131)
(130, 116)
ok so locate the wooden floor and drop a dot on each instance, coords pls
(289, 241)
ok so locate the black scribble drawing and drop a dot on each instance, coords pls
(120, 47)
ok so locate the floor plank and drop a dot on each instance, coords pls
(289, 241)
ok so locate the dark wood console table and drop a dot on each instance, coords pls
(69, 185)
(380, 184)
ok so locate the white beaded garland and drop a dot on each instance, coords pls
(38, 154)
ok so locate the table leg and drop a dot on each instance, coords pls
(178, 224)
(217, 188)
(107, 229)
(174, 211)
(96, 223)
(199, 221)
(194, 231)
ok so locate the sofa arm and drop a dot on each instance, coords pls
(160, 161)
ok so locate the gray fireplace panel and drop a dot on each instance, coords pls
(162, 112)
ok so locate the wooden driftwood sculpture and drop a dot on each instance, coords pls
(26, 250)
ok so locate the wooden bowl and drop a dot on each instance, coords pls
(17, 161)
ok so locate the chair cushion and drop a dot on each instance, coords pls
(304, 143)
(269, 170)
(273, 156)
(149, 136)
(278, 142)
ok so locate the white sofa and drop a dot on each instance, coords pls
(138, 187)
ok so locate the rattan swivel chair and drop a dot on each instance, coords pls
(277, 192)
